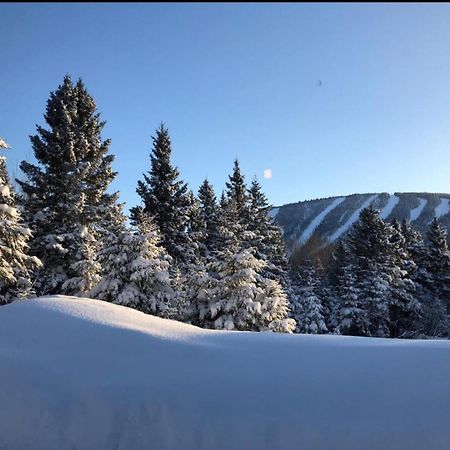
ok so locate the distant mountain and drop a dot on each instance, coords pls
(332, 217)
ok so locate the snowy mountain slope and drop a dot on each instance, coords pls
(300, 220)
(84, 374)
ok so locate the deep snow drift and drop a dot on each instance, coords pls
(84, 374)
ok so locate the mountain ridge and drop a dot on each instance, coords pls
(331, 217)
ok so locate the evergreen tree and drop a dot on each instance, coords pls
(380, 291)
(65, 195)
(268, 238)
(435, 279)
(237, 297)
(209, 212)
(136, 271)
(15, 265)
(236, 193)
(307, 302)
(165, 198)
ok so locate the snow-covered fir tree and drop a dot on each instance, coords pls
(209, 212)
(269, 242)
(165, 198)
(235, 296)
(306, 301)
(65, 195)
(434, 279)
(16, 266)
(378, 288)
(136, 271)
(405, 309)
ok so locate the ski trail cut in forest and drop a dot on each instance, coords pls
(442, 209)
(391, 204)
(353, 218)
(319, 218)
(415, 213)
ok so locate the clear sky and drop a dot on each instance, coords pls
(334, 99)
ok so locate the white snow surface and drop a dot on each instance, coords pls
(443, 208)
(352, 219)
(273, 213)
(390, 205)
(309, 230)
(415, 213)
(84, 374)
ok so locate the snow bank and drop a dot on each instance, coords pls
(84, 374)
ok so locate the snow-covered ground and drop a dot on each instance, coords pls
(84, 374)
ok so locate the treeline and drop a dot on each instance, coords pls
(214, 263)
(217, 263)
(383, 279)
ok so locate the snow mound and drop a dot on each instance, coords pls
(84, 374)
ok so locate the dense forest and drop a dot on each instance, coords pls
(213, 261)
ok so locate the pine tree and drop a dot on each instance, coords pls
(236, 193)
(15, 265)
(268, 238)
(435, 279)
(307, 301)
(65, 196)
(113, 257)
(237, 297)
(136, 271)
(165, 197)
(209, 212)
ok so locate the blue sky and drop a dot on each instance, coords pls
(334, 99)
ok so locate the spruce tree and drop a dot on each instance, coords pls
(16, 265)
(65, 196)
(234, 296)
(383, 271)
(136, 271)
(268, 238)
(165, 197)
(306, 301)
(209, 212)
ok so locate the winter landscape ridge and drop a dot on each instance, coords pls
(330, 218)
(85, 374)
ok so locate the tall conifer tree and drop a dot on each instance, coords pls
(65, 196)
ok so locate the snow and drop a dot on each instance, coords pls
(85, 374)
(391, 204)
(415, 213)
(443, 208)
(352, 219)
(273, 213)
(3, 144)
(319, 218)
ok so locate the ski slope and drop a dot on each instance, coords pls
(415, 213)
(443, 208)
(309, 230)
(390, 205)
(352, 219)
(85, 374)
